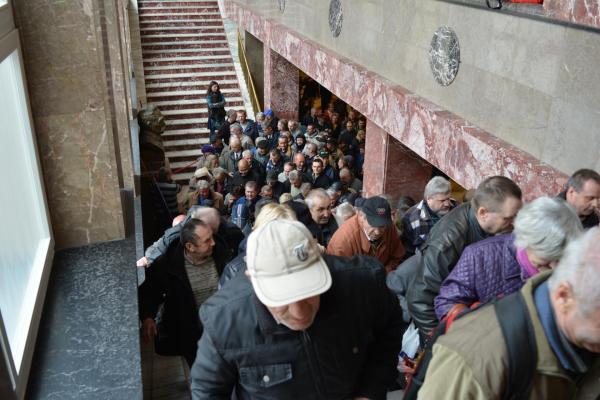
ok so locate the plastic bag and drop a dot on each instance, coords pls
(410, 341)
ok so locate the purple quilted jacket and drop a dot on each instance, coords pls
(486, 269)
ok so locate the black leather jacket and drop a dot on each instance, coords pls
(350, 350)
(441, 252)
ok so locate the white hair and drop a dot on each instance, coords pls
(545, 226)
(343, 212)
(208, 215)
(246, 153)
(580, 268)
(437, 185)
(315, 194)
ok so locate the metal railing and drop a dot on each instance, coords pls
(247, 75)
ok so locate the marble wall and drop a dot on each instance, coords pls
(76, 75)
(464, 151)
(281, 85)
(391, 168)
(586, 12)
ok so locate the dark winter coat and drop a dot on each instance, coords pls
(350, 350)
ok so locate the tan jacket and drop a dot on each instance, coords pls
(350, 240)
(217, 199)
(471, 361)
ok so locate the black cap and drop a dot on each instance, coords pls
(378, 212)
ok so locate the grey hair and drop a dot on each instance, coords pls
(236, 126)
(293, 175)
(545, 226)
(315, 194)
(305, 188)
(202, 184)
(343, 212)
(259, 115)
(437, 185)
(580, 268)
(219, 171)
(246, 153)
(208, 215)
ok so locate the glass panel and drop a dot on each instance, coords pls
(24, 231)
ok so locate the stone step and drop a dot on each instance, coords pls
(185, 114)
(184, 144)
(171, 24)
(181, 154)
(183, 178)
(183, 165)
(189, 121)
(170, 3)
(187, 60)
(206, 30)
(185, 44)
(196, 102)
(176, 38)
(200, 83)
(166, 53)
(186, 94)
(183, 134)
(215, 68)
(167, 18)
(208, 76)
(185, 90)
(178, 10)
(175, 79)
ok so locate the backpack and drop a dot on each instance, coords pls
(519, 338)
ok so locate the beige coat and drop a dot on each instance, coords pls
(471, 361)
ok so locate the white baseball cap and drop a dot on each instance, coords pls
(285, 264)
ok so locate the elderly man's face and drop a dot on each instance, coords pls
(501, 221)
(587, 200)
(321, 211)
(282, 144)
(204, 192)
(204, 243)
(299, 315)
(241, 117)
(440, 203)
(250, 193)
(583, 330)
(287, 169)
(373, 232)
(236, 146)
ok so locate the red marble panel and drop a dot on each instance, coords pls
(406, 173)
(463, 151)
(374, 168)
(282, 85)
(585, 12)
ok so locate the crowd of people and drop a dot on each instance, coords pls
(281, 279)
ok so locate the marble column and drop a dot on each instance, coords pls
(78, 104)
(391, 168)
(281, 85)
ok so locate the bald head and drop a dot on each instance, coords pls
(243, 166)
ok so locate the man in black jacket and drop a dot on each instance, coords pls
(492, 210)
(183, 278)
(300, 325)
(583, 193)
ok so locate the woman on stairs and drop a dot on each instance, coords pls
(216, 108)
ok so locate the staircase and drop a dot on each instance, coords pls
(184, 47)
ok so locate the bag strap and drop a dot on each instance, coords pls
(519, 337)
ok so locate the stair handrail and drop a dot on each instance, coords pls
(247, 75)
